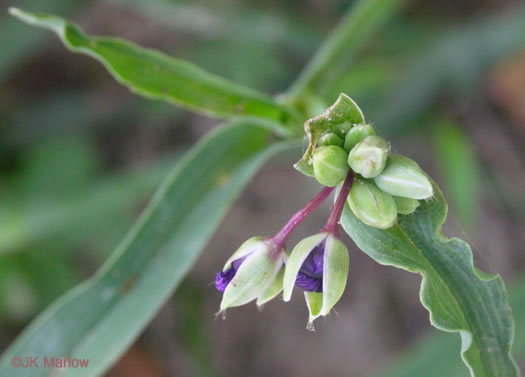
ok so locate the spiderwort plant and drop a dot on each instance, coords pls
(394, 211)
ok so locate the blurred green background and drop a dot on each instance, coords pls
(80, 156)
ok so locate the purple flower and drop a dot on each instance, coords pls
(319, 266)
(310, 276)
(253, 272)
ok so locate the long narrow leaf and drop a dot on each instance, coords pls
(459, 297)
(17, 43)
(100, 318)
(155, 75)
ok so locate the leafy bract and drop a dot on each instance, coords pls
(100, 318)
(458, 296)
(156, 75)
(344, 112)
(421, 360)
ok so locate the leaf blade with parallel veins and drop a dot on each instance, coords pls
(156, 75)
(101, 317)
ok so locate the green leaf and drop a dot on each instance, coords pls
(421, 360)
(18, 43)
(459, 297)
(100, 318)
(155, 75)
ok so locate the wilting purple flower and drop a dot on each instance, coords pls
(251, 273)
(319, 266)
(310, 276)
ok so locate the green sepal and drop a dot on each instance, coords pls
(314, 303)
(296, 259)
(335, 272)
(273, 290)
(248, 246)
(405, 206)
(402, 176)
(344, 110)
(371, 205)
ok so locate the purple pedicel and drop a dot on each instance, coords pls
(223, 278)
(310, 276)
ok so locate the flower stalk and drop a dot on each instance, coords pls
(332, 224)
(282, 236)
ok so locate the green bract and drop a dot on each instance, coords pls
(368, 157)
(403, 177)
(357, 134)
(371, 205)
(405, 206)
(338, 119)
(330, 166)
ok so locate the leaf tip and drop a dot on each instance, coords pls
(22, 15)
(16, 12)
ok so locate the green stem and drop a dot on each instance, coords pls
(358, 24)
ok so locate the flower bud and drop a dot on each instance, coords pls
(405, 206)
(318, 265)
(368, 157)
(330, 166)
(342, 129)
(403, 177)
(371, 205)
(357, 134)
(249, 273)
(330, 139)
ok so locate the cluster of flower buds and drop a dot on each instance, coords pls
(386, 184)
(343, 151)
